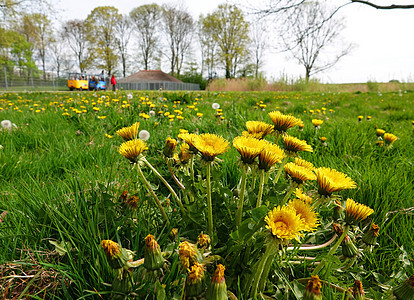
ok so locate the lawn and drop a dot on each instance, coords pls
(65, 188)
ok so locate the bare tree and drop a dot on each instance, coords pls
(146, 22)
(377, 6)
(310, 35)
(123, 31)
(178, 27)
(76, 36)
(58, 53)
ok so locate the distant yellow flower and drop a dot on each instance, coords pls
(258, 129)
(199, 115)
(380, 132)
(293, 145)
(96, 108)
(249, 148)
(132, 149)
(299, 174)
(317, 123)
(284, 223)
(129, 133)
(210, 145)
(305, 212)
(303, 163)
(331, 180)
(356, 212)
(189, 139)
(108, 136)
(283, 122)
(101, 117)
(270, 155)
(360, 118)
(390, 138)
(301, 196)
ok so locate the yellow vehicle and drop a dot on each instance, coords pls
(78, 81)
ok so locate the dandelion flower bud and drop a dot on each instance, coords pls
(153, 259)
(116, 256)
(370, 237)
(203, 241)
(195, 280)
(218, 287)
(169, 147)
(348, 248)
(313, 289)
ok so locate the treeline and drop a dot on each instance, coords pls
(149, 37)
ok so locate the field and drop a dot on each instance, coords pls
(64, 188)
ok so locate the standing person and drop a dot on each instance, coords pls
(103, 75)
(113, 82)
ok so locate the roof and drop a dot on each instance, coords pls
(149, 76)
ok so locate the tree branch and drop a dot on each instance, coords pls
(392, 6)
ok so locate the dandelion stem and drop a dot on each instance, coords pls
(180, 204)
(279, 172)
(209, 203)
(332, 251)
(288, 193)
(304, 247)
(154, 196)
(177, 181)
(239, 212)
(192, 168)
(261, 186)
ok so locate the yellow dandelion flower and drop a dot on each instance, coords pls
(199, 115)
(317, 122)
(331, 180)
(249, 148)
(210, 145)
(302, 196)
(96, 108)
(101, 117)
(283, 122)
(129, 133)
(284, 223)
(132, 149)
(270, 155)
(356, 212)
(258, 129)
(380, 132)
(304, 163)
(298, 174)
(189, 139)
(203, 240)
(108, 136)
(183, 130)
(293, 145)
(305, 212)
(390, 138)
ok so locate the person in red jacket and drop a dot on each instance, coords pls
(113, 82)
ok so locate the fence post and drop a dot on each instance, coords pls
(31, 77)
(5, 78)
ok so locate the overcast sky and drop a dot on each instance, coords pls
(383, 38)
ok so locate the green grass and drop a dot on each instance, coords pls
(61, 177)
